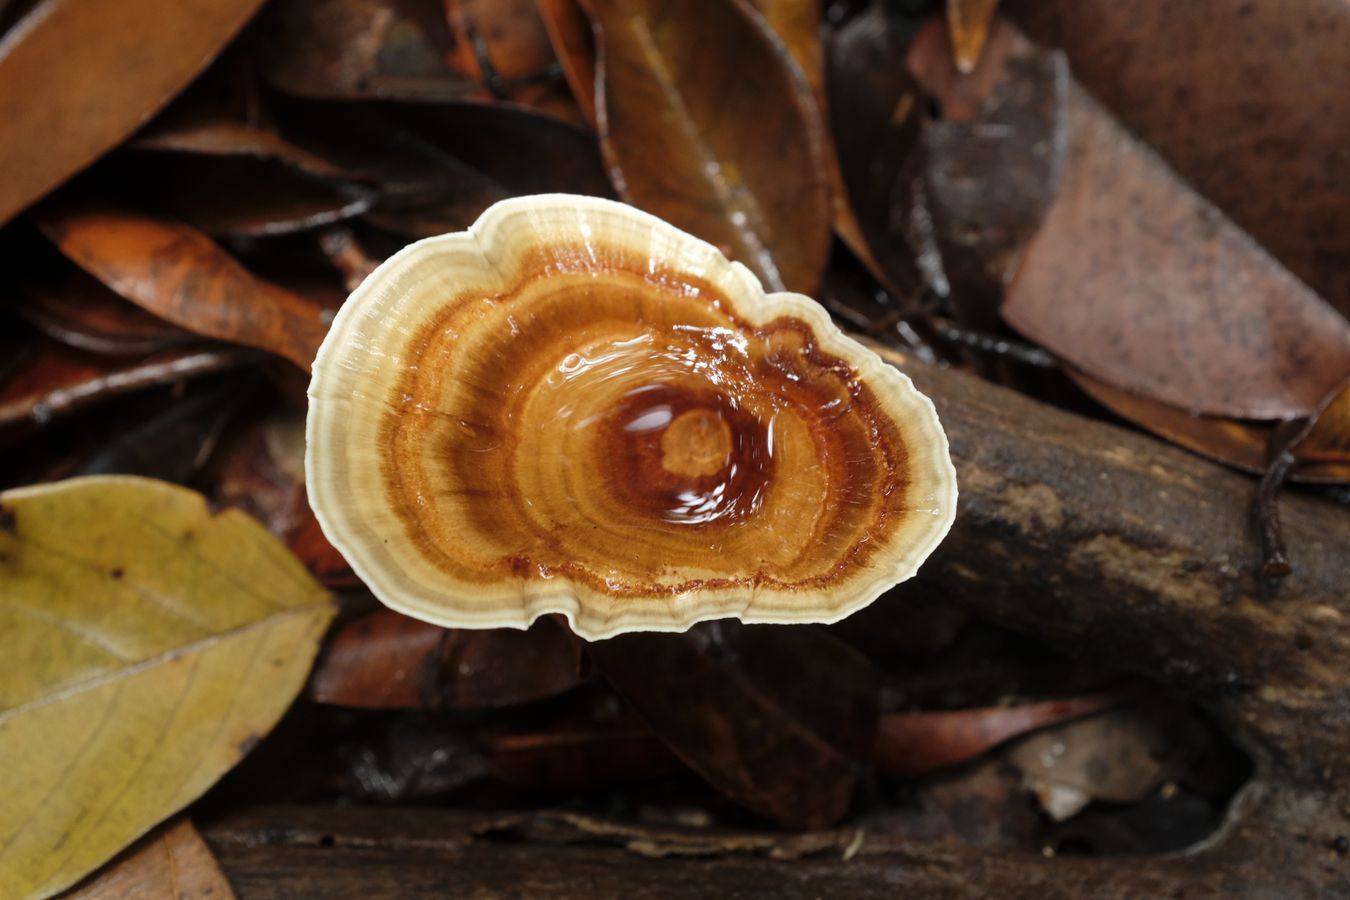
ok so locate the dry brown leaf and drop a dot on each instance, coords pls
(1217, 88)
(60, 113)
(172, 862)
(180, 275)
(704, 123)
(505, 46)
(1144, 285)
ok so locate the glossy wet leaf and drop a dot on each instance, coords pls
(1142, 284)
(798, 24)
(738, 705)
(180, 275)
(219, 136)
(1214, 88)
(705, 124)
(173, 861)
(149, 644)
(1323, 452)
(60, 114)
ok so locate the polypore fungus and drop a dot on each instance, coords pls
(575, 407)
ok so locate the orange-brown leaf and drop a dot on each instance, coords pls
(180, 275)
(61, 111)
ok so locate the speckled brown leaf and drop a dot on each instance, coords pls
(60, 111)
(171, 862)
(775, 718)
(1142, 284)
(705, 123)
(180, 275)
(1247, 100)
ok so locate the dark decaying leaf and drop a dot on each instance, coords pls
(178, 274)
(705, 123)
(775, 718)
(921, 742)
(569, 31)
(874, 118)
(586, 740)
(235, 196)
(991, 164)
(358, 49)
(1144, 285)
(134, 55)
(1214, 87)
(385, 660)
(220, 136)
(438, 166)
(70, 306)
(51, 380)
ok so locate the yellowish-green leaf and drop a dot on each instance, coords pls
(147, 644)
(172, 861)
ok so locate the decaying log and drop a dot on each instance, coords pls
(1100, 541)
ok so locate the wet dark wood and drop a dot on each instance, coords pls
(1102, 541)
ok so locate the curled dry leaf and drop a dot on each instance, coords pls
(1213, 86)
(173, 861)
(1169, 299)
(576, 408)
(149, 644)
(739, 707)
(385, 660)
(59, 115)
(359, 49)
(569, 31)
(704, 123)
(180, 275)
(921, 742)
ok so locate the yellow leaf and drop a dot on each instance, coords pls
(173, 862)
(147, 645)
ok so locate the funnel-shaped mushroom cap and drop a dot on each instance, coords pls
(575, 407)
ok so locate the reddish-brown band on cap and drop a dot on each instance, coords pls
(577, 408)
